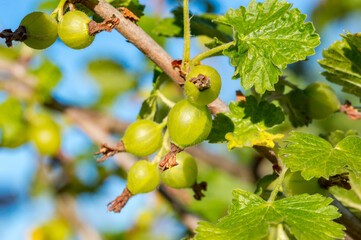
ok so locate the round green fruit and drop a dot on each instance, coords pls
(143, 138)
(143, 177)
(12, 134)
(322, 100)
(46, 135)
(294, 184)
(184, 175)
(205, 96)
(189, 124)
(73, 30)
(41, 30)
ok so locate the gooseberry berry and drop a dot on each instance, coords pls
(45, 133)
(143, 177)
(41, 30)
(189, 124)
(184, 175)
(74, 31)
(322, 100)
(207, 95)
(143, 138)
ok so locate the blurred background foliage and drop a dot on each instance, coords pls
(63, 194)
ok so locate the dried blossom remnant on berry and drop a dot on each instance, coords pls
(198, 188)
(201, 82)
(18, 35)
(118, 204)
(108, 152)
(170, 159)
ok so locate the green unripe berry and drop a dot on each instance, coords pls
(143, 138)
(205, 96)
(184, 175)
(189, 124)
(74, 31)
(143, 177)
(322, 100)
(41, 30)
(46, 135)
(294, 184)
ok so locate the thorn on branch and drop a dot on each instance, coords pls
(106, 25)
(169, 160)
(18, 35)
(128, 14)
(202, 82)
(108, 152)
(350, 111)
(197, 189)
(118, 204)
(340, 180)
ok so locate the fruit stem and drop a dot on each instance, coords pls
(168, 102)
(187, 36)
(277, 187)
(195, 61)
(163, 123)
(164, 148)
(283, 81)
(58, 12)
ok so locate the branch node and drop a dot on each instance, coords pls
(170, 159)
(201, 82)
(106, 25)
(108, 152)
(18, 35)
(197, 189)
(350, 111)
(177, 65)
(118, 204)
(128, 14)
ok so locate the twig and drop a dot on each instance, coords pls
(352, 223)
(135, 35)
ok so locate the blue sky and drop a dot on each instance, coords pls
(76, 87)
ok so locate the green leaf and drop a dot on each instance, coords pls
(133, 5)
(222, 124)
(263, 111)
(250, 217)
(48, 76)
(149, 108)
(200, 25)
(268, 36)
(246, 124)
(336, 136)
(316, 157)
(342, 62)
(112, 78)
